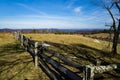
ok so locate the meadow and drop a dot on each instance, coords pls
(17, 64)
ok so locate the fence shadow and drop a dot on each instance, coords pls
(85, 53)
(10, 58)
(10, 48)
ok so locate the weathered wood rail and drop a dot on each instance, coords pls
(53, 68)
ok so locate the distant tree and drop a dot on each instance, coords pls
(110, 6)
(34, 31)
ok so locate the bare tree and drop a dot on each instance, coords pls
(110, 6)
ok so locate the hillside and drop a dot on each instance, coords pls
(102, 36)
(17, 64)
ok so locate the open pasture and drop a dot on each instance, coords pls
(16, 63)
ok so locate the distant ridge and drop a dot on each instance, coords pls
(52, 30)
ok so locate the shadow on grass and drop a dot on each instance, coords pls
(9, 49)
(81, 51)
(85, 53)
(10, 57)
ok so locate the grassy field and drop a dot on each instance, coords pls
(16, 64)
(74, 39)
(101, 35)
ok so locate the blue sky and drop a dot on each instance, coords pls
(61, 14)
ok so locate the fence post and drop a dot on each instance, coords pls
(98, 62)
(26, 44)
(21, 39)
(88, 72)
(36, 55)
(19, 36)
(16, 35)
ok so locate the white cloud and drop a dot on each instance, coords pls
(78, 9)
(91, 20)
(51, 22)
(31, 8)
(70, 3)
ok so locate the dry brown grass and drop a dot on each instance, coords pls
(16, 63)
(73, 39)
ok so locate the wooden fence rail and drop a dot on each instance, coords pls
(57, 71)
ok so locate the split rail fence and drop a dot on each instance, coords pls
(58, 71)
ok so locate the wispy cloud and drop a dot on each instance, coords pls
(89, 20)
(78, 9)
(31, 8)
(70, 3)
(51, 21)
